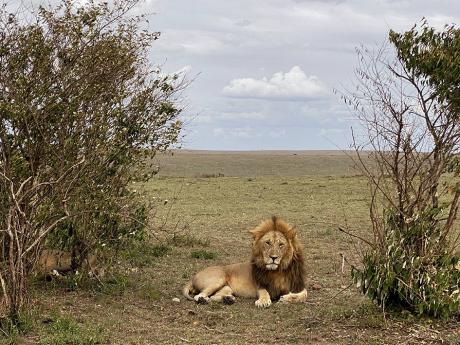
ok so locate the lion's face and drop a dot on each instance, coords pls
(272, 251)
(274, 246)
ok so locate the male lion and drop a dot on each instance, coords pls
(276, 271)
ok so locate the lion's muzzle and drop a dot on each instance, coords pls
(271, 267)
(272, 262)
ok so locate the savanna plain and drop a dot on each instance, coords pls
(205, 203)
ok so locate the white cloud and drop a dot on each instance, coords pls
(248, 132)
(224, 117)
(292, 85)
(240, 115)
(236, 43)
(191, 42)
(326, 132)
(218, 131)
(277, 134)
(238, 132)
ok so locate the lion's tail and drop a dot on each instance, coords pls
(188, 288)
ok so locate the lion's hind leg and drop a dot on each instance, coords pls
(208, 282)
(203, 296)
(224, 295)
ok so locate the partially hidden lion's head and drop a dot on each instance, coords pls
(275, 244)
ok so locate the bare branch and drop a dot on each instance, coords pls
(356, 236)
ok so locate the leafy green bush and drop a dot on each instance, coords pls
(82, 112)
(411, 145)
(416, 271)
(105, 230)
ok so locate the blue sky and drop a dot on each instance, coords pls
(264, 70)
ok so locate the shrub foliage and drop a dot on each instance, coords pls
(81, 110)
(409, 107)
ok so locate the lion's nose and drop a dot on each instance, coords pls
(273, 257)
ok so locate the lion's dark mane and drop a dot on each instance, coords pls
(280, 282)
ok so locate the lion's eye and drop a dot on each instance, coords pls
(267, 243)
(281, 245)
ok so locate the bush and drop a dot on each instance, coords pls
(415, 272)
(81, 110)
(409, 107)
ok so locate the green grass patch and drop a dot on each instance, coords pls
(115, 285)
(186, 240)
(160, 250)
(148, 292)
(365, 315)
(144, 254)
(8, 339)
(63, 330)
(327, 232)
(203, 254)
(9, 331)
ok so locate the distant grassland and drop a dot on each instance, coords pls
(190, 163)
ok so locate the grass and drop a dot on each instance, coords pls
(63, 330)
(115, 285)
(185, 163)
(11, 332)
(148, 292)
(53, 329)
(142, 254)
(203, 254)
(188, 240)
(134, 304)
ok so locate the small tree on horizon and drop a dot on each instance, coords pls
(409, 108)
(81, 111)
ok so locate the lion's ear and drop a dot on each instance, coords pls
(292, 232)
(254, 232)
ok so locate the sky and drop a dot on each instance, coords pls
(263, 72)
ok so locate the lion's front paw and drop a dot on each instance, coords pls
(294, 297)
(286, 298)
(263, 302)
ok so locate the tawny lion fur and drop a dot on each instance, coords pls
(276, 271)
(57, 262)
